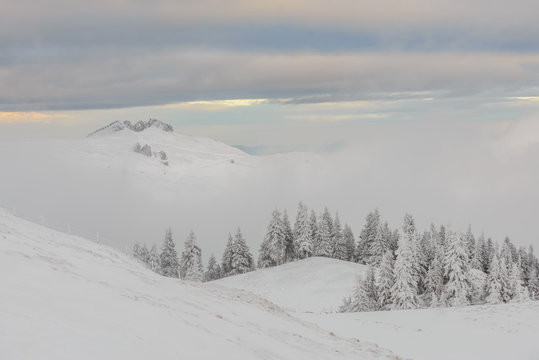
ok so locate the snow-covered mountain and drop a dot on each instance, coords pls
(315, 284)
(64, 297)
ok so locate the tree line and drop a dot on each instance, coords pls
(406, 268)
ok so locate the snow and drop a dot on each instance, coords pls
(315, 284)
(64, 297)
(507, 331)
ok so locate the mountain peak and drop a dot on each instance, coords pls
(136, 127)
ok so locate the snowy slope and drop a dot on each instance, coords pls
(315, 284)
(63, 297)
(486, 332)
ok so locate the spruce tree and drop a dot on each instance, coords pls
(365, 296)
(505, 280)
(289, 250)
(435, 280)
(386, 280)
(315, 235)
(226, 261)
(457, 290)
(519, 292)
(242, 260)
(326, 235)
(169, 257)
(404, 291)
(191, 260)
(272, 249)
(154, 262)
(212, 272)
(494, 283)
(368, 236)
(302, 233)
(349, 240)
(339, 243)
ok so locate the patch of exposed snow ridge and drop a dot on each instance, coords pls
(64, 297)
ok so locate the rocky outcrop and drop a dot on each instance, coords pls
(136, 127)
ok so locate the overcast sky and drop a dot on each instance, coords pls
(244, 71)
(446, 93)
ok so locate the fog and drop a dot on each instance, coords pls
(483, 174)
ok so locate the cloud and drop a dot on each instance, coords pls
(27, 117)
(207, 75)
(215, 105)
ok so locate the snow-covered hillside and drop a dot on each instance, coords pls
(64, 297)
(484, 332)
(314, 284)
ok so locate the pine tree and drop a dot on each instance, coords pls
(469, 243)
(494, 284)
(272, 249)
(169, 257)
(154, 262)
(191, 260)
(457, 290)
(289, 251)
(349, 240)
(488, 254)
(302, 233)
(379, 245)
(478, 258)
(404, 291)
(242, 260)
(507, 253)
(533, 284)
(386, 280)
(326, 234)
(339, 243)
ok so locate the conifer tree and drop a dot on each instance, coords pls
(315, 235)
(326, 234)
(519, 292)
(339, 243)
(226, 262)
(272, 249)
(154, 261)
(365, 296)
(505, 280)
(212, 272)
(457, 290)
(368, 236)
(302, 233)
(191, 260)
(469, 243)
(506, 252)
(494, 283)
(349, 240)
(404, 291)
(169, 257)
(242, 260)
(289, 250)
(435, 280)
(386, 280)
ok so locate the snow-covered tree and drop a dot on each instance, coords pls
(272, 249)
(226, 262)
(339, 243)
(242, 260)
(520, 293)
(404, 291)
(169, 257)
(213, 270)
(494, 283)
(289, 250)
(154, 262)
(349, 240)
(457, 290)
(191, 260)
(469, 243)
(533, 284)
(368, 236)
(302, 233)
(386, 280)
(315, 235)
(505, 280)
(325, 230)
(365, 295)
(507, 253)
(435, 280)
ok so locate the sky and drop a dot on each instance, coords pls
(425, 106)
(245, 72)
